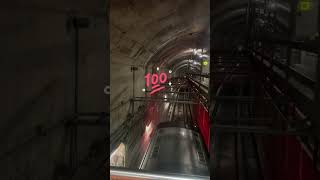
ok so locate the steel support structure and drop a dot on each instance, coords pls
(164, 100)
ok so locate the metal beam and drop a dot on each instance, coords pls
(168, 100)
(293, 73)
(176, 92)
(258, 130)
(207, 75)
(241, 98)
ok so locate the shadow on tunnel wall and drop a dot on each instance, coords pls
(54, 69)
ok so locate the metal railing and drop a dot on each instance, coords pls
(117, 173)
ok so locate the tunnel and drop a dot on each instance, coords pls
(258, 96)
(160, 90)
(163, 127)
(263, 93)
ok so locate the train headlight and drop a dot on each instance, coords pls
(148, 129)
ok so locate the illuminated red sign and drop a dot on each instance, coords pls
(156, 80)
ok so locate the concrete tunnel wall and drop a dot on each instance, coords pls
(140, 31)
(37, 66)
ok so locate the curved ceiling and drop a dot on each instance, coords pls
(148, 34)
(234, 12)
(230, 21)
(152, 32)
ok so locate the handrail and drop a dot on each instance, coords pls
(300, 77)
(308, 45)
(117, 173)
(201, 93)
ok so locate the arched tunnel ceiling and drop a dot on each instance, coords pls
(234, 12)
(147, 32)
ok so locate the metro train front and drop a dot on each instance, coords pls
(175, 148)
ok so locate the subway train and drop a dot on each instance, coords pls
(176, 148)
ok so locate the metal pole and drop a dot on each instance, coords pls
(248, 21)
(291, 34)
(133, 87)
(76, 41)
(77, 24)
(317, 85)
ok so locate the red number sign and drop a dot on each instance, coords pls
(156, 81)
